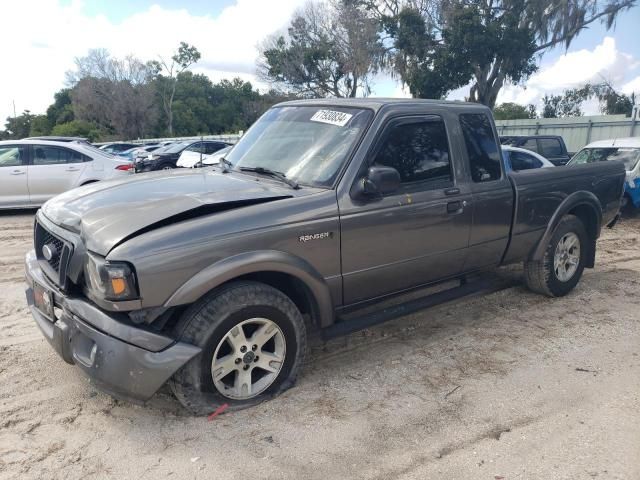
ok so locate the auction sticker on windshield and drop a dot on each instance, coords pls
(332, 117)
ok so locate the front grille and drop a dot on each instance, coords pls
(54, 267)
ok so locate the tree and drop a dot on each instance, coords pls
(437, 46)
(168, 73)
(19, 126)
(115, 94)
(330, 49)
(569, 104)
(513, 111)
(612, 102)
(78, 128)
(61, 110)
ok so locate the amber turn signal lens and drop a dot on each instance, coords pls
(118, 285)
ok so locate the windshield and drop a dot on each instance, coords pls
(174, 147)
(308, 144)
(629, 156)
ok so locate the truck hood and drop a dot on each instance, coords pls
(109, 212)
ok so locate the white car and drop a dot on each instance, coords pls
(214, 158)
(33, 171)
(519, 159)
(192, 155)
(625, 150)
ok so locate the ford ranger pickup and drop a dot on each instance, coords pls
(209, 279)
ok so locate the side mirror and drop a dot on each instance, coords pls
(379, 181)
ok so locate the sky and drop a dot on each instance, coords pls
(41, 38)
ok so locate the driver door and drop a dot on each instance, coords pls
(417, 234)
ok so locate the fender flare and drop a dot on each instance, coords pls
(255, 262)
(576, 199)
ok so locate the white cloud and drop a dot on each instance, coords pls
(574, 69)
(42, 37)
(632, 87)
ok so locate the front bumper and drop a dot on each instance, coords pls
(120, 359)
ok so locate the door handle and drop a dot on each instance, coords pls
(456, 207)
(18, 172)
(452, 191)
(72, 169)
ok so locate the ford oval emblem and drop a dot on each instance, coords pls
(49, 251)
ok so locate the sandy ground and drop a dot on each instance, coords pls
(506, 386)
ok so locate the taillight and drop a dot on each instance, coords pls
(126, 167)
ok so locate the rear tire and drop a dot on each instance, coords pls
(563, 262)
(237, 366)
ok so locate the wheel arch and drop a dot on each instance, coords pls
(292, 275)
(584, 205)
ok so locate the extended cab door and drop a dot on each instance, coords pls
(491, 191)
(417, 234)
(14, 190)
(53, 170)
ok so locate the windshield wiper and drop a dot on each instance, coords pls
(279, 175)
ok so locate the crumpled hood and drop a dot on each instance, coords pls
(108, 212)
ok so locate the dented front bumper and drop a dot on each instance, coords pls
(120, 359)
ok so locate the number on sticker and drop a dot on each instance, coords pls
(331, 117)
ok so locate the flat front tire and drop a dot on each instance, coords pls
(561, 267)
(253, 342)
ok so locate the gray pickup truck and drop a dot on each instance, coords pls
(209, 279)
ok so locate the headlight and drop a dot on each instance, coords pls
(110, 280)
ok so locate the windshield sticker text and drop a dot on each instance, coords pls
(331, 117)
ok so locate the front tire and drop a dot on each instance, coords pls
(253, 342)
(563, 262)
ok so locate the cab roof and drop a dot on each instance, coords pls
(378, 103)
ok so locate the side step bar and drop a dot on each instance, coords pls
(480, 287)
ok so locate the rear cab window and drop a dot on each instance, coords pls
(482, 148)
(530, 144)
(550, 147)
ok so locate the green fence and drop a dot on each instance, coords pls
(576, 131)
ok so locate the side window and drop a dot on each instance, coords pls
(419, 151)
(212, 147)
(522, 161)
(11, 156)
(550, 147)
(482, 148)
(46, 155)
(530, 144)
(196, 147)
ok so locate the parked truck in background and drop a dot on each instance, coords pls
(551, 147)
(210, 278)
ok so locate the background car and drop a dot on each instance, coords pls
(214, 158)
(551, 147)
(626, 150)
(190, 159)
(518, 159)
(33, 171)
(167, 158)
(117, 147)
(139, 151)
